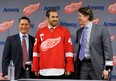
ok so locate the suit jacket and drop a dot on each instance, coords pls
(100, 49)
(13, 50)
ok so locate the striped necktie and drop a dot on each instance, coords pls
(83, 42)
(24, 49)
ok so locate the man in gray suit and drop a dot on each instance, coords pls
(94, 48)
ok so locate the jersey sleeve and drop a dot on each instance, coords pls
(69, 52)
(35, 61)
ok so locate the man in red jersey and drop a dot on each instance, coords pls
(53, 50)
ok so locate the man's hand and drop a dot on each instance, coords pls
(67, 73)
(37, 73)
(5, 77)
(105, 74)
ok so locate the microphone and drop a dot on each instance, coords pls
(28, 69)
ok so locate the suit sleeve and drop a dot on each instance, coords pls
(35, 61)
(107, 49)
(76, 41)
(6, 57)
(69, 52)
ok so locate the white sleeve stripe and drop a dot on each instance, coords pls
(109, 63)
(35, 54)
(68, 54)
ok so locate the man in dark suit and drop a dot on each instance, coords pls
(13, 49)
(94, 51)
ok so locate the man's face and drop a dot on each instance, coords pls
(83, 20)
(53, 19)
(24, 26)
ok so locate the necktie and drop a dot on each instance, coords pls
(83, 41)
(24, 49)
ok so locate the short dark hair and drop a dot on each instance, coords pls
(86, 11)
(50, 10)
(24, 17)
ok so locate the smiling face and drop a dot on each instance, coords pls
(83, 20)
(53, 19)
(24, 26)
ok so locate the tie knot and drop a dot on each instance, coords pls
(85, 27)
(24, 36)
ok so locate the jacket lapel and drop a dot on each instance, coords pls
(19, 43)
(30, 48)
(92, 34)
(80, 33)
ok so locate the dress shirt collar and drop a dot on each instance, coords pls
(51, 27)
(21, 35)
(89, 25)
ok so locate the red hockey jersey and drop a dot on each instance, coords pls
(53, 52)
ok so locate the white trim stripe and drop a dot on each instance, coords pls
(52, 71)
(109, 63)
(69, 54)
(35, 54)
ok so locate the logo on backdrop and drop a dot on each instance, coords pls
(43, 24)
(114, 60)
(112, 38)
(11, 10)
(30, 9)
(113, 76)
(96, 21)
(68, 24)
(109, 24)
(2, 42)
(32, 26)
(6, 25)
(69, 9)
(96, 7)
(52, 7)
(112, 8)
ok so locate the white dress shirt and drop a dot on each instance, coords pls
(26, 40)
